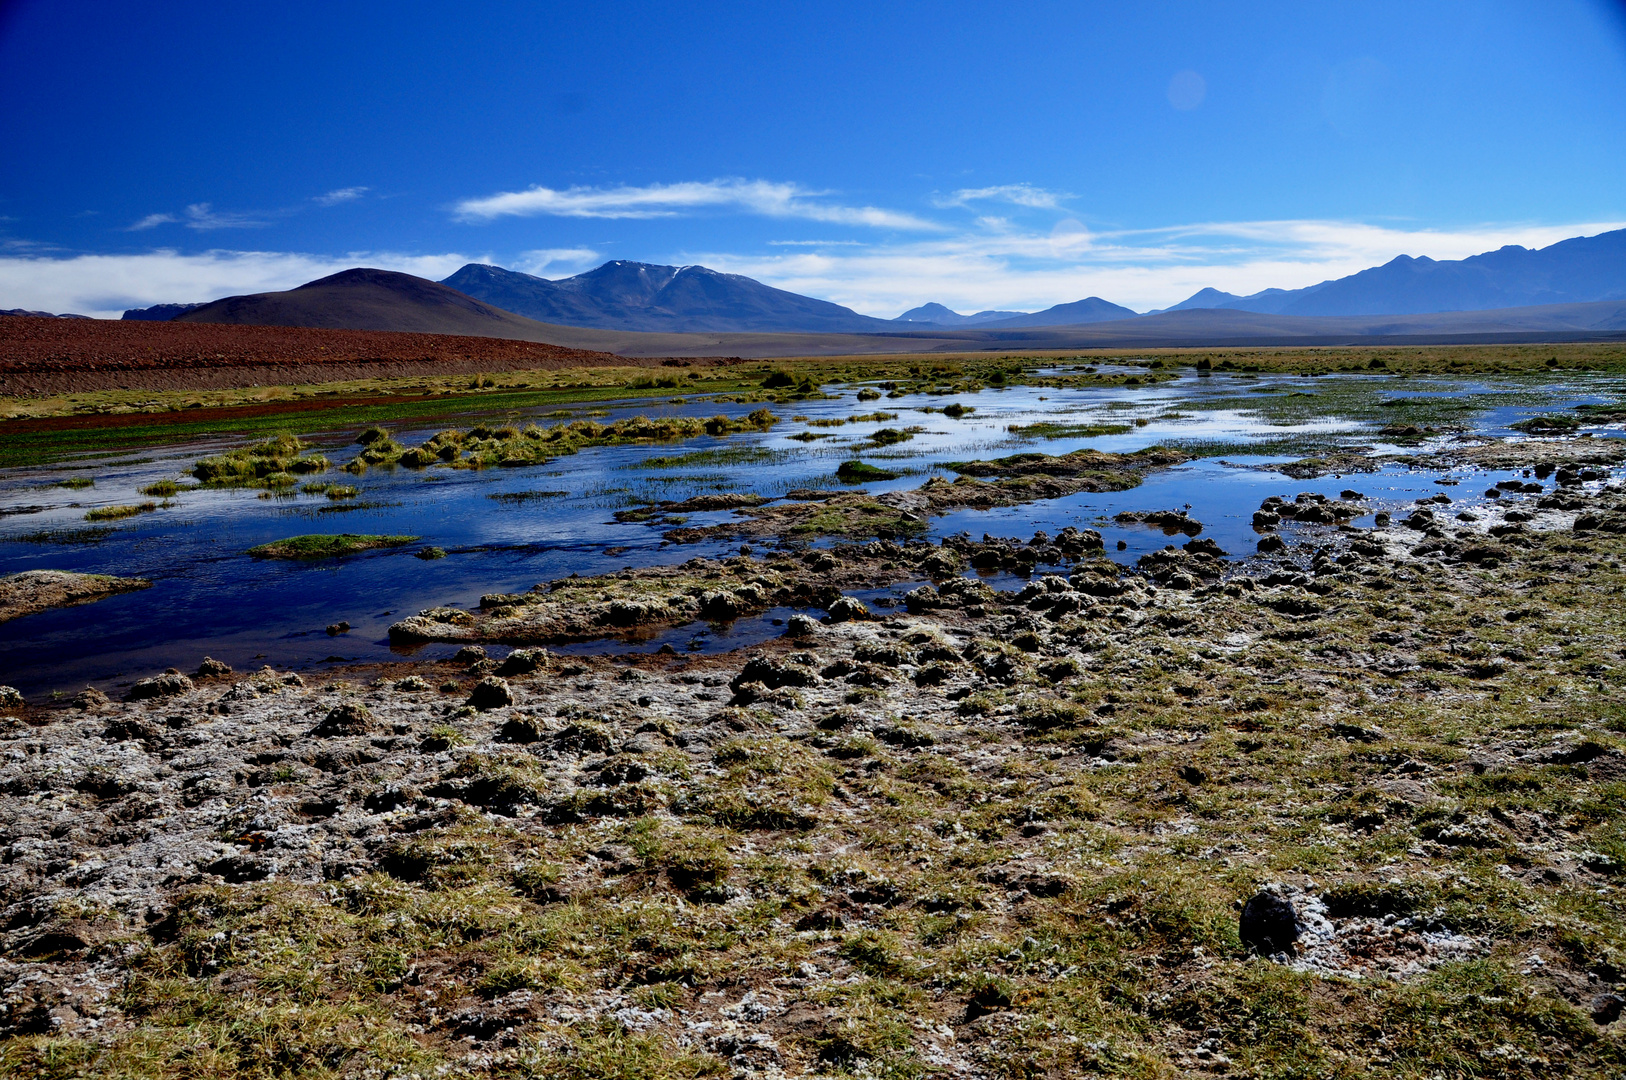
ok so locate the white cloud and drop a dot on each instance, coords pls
(1017, 194)
(151, 221)
(105, 285)
(562, 261)
(760, 197)
(204, 217)
(341, 195)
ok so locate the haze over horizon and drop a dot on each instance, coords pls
(175, 153)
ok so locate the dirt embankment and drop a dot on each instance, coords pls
(55, 356)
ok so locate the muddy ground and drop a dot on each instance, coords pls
(978, 833)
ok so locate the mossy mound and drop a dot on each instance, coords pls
(319, 546)
(484, 447)
(859, 472)
(271, 462)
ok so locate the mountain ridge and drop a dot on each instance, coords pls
(625, 295)
(366, 299)
(935, 314)
(1581, 269)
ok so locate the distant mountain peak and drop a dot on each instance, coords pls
(625, 295)
(1582, 269)
(935, 314)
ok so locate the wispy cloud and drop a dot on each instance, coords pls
(105, 285)
(340, 195)
(152, 221)
(760, 197)
(1017, 194)
(204, 217)
(561, 262)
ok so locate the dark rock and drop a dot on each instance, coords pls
(165, 685)
(1269, 925)
(1270, 544)
(212, 668)
(90, 698)
(1606, 1008)
(1205, 546)
(125, 728)
(922, 599)
(721, 606)
(801, 626)
(524, 662)
(523, 729)
(348, 718)
(469, 654)
(491, 693)
(847, 609)
(335, 629)
(772, 674)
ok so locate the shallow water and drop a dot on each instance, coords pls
(210, 598)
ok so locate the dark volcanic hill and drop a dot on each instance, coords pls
(158, 312)
(938, 315)
(40, 314)
(1091, 309)
(365, 299)
(1584, 269)
(623, 295)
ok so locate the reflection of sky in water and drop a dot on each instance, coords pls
(210, 599)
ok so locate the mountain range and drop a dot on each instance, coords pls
(622, 295)
(1580, 270)
(630, 297)
(935, 314)
(367, 299)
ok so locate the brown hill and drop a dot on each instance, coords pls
(367, 299)
(48, 356)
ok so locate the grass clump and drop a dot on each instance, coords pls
(1050, 429)
(117, 513)
(518, 497)
(76, 483)
(484, 447)
(318, 546)
(859, 472)
(161, 489)
(269, 463)
(66, 536)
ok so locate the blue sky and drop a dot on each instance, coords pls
(879, 155)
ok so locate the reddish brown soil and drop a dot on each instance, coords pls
(52, 356)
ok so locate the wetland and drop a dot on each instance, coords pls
(929, 717)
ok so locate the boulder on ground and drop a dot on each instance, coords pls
(168, 684)
(847, 609)
(1269, 924)
(491, 693)
(347, 718)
